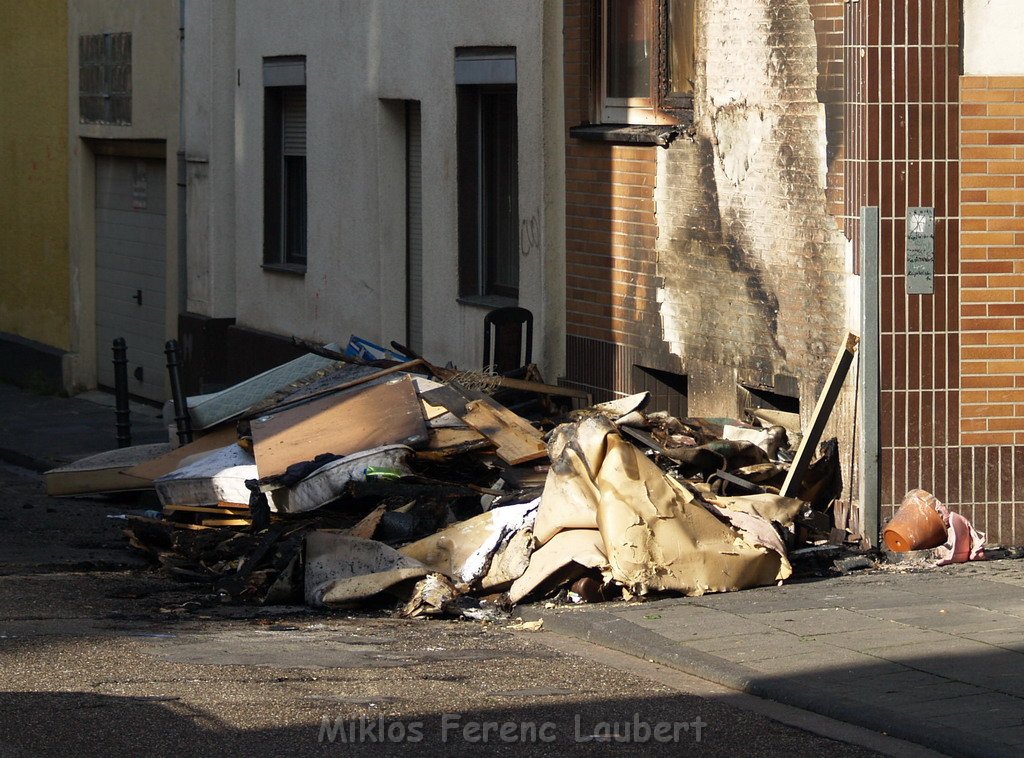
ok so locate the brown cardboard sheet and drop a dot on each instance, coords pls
(655, 533)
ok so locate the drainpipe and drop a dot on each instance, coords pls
(182, 169)
(870, 438)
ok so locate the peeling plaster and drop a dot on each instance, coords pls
(739, 132)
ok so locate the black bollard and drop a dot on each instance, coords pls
(122, 412)
(182, 419)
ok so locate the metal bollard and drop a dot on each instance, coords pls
(122, 412)
(182, 419)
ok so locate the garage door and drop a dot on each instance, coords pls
(131, 246)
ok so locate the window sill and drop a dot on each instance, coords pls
(658, 135)
(487, 301)
(295, 269)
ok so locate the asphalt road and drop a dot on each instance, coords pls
(101, 656)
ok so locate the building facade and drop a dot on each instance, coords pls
(122, 122)
(35, 319)
(387, 170)
(707, 259)
(674, 189)
(727, 265)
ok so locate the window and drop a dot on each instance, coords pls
(284, 163)
(488, 173)
(646, 66)
(105, 78)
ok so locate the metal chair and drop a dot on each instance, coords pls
(509, 340)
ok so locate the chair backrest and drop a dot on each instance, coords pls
(508, 339)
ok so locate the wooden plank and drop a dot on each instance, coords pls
(516, 440)
(227, 522)
(457, 399)
(383, 414)
(822, 411)
(224, 511)
(431, 412)
(446, 397)
(505, 430)
(441, 439)
(337, 389)
(165, 464)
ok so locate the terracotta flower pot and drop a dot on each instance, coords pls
(917, 525)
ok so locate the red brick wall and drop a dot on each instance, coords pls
(610, 233)
(992, 260)
(611, 283)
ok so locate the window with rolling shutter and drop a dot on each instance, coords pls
(284, 165)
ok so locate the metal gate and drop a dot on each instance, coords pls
(131, 270)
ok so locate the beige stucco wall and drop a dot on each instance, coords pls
(152, 133)
(33, 166)
(992, 33)
(209, 143)
(361, 58)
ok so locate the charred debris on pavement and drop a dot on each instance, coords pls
(386, 482)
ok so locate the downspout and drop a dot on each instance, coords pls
(182, 169)
(870, 438)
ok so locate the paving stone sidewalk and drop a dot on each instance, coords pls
(40, 432)
(935, 657)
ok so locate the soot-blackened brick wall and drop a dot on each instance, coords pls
(721, 257)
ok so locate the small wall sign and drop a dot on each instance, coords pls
(920, 251)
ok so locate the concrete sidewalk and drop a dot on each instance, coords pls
(934, 657)
(41, 432)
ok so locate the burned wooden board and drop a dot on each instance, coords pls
(382, 414)
(447, 438)
(103, 472)
(513, 436)
(506, 430)
(165, 464)
(822, 411)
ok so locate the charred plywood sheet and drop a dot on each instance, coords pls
(383, 414)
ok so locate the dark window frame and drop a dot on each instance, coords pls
(285, 179)
(487, 141)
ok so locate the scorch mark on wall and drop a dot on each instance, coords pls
(750, 261)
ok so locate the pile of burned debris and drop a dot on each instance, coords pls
(348, 481)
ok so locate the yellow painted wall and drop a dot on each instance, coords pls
(34, 273)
